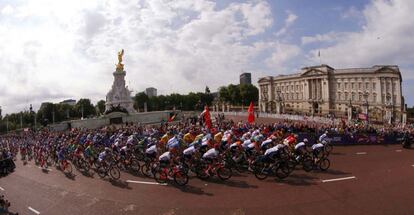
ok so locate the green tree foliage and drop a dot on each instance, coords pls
(85, 106)
(191, 101)
(239, 94)
(100, 107)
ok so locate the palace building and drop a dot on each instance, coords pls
(322, 90)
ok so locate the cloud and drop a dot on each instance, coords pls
(291, 18)
(352, 13)
(7, 10)
(53, 50)
(385, 38)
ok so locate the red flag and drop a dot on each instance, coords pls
(207, 118)
(250, 119)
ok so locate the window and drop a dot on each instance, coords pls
(383, 98)
(366, 85)
(374, 86)
(394, 99)
(339, 85)
(346, 96)
(374, 98)
(393, 87)
(353, 96)
(346, 86)
(359, 85)
(353, 85)
(339, 96)
(360, 97)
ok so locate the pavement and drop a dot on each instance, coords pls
(376, 179)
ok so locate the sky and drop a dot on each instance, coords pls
(51, 50)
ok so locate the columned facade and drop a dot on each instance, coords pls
(324, 90)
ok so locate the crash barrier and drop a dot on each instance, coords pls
(6, 166)
(357, 139)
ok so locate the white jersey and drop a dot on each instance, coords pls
(266, 142)
(151, 150)
(211, 153)
(271, 150)
(246, 143)
(322, 137)
(165, 157)
(317, 146)
(189, 151)
(299, 145)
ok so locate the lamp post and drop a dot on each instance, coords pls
(279, 102)
(350, 110)
(366, 105)
(389, 109)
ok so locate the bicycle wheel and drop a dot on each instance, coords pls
(68, 169)
(181, 178)
(201, 172)
(134, 166)
(101, 171)
(260, 171)
(224, 173)
(146, 170)
(324, 164)
(160, 176)
(307, 164)
(85, 165)
(282, 171)
(114, 173)
(328, 148)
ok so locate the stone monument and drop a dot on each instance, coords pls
(118, 98)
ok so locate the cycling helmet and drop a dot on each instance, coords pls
(305, 140)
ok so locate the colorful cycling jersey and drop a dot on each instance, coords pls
(211, 153)
(151, 150)
(251, 145)
(188, 138)
(218, 137)
(102, 156)
(266, 142)
(301, 144)
(246, 143)
(189, 151)
(165, 157)
(322, 137)
(173, 143)
(274, 149)
(317, 146)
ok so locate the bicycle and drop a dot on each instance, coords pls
(162, 174)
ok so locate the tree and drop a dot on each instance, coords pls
(249, 93)
(85, 108)
(239, 94)
(139, 100)
(100, 107)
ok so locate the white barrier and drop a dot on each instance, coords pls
(317, 119)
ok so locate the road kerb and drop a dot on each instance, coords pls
(361, 153)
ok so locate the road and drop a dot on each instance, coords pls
(361, 180)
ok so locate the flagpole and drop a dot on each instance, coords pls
(319, 54)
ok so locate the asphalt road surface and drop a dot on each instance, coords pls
(361, 180)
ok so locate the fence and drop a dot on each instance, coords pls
(317, 119)
(358, 138)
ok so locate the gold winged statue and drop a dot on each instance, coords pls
(120, 66)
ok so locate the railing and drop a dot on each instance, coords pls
(317, 119)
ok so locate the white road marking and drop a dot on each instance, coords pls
(145, 182)
(1, 188)
(33, 210)
(44, 168)
(361, 153)
(338, 179)
(398, 150)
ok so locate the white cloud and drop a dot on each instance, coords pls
(7, 10)
(352, 13)
(385, 38)
(281, 54)
(326, 38)
(291, 18)
(52, 50)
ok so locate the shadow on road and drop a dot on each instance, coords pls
(298, 180)
(333, 172)
(71, 176)
(120, 184)
(193, 190)
(233, 183)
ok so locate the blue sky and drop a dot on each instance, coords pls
(51, 50)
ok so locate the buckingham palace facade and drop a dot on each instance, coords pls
(321, 90)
